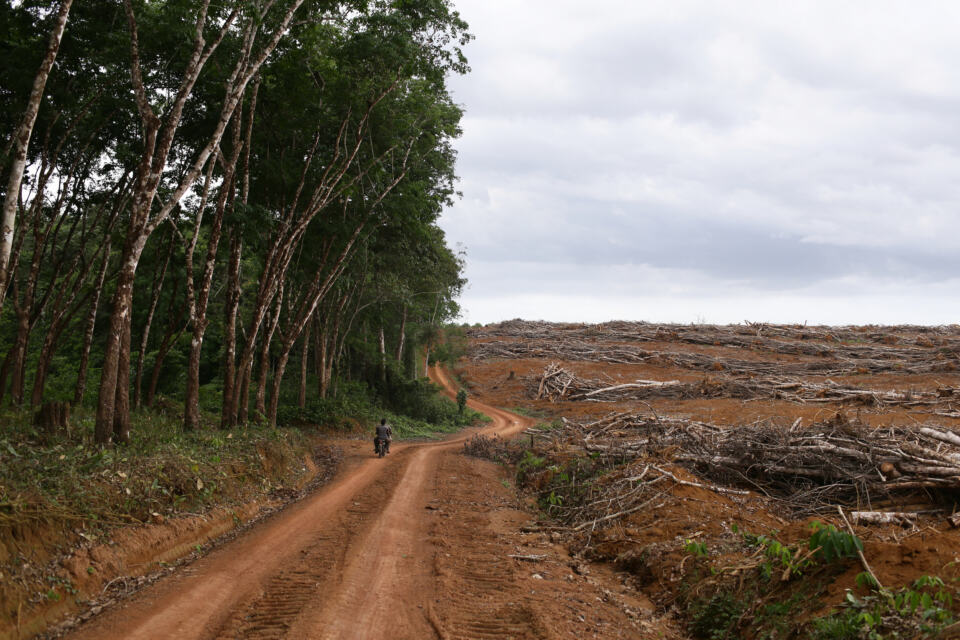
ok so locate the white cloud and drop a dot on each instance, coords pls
(750, 151)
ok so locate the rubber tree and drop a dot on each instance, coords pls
(21, 144)
(259, 27)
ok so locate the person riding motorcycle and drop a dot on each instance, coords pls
(384, 434)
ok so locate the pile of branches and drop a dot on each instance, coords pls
(556, 383)
(733, 335)
(812, 469)
(820, 359)
(901, 349)
(493, 448)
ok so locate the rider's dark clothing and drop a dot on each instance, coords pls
(385, 433)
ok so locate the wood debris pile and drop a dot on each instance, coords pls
(735, 335)
(840, 351)
(556, 384)
(812, 469)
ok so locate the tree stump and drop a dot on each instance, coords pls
(52, 420)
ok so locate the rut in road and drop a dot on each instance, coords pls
(288, 593)
(353, 560)
(477, 582)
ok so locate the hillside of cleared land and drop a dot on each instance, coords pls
(726, 468)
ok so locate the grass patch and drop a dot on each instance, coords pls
(537, 414)
(162, 470)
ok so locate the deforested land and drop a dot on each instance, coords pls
(751, 480)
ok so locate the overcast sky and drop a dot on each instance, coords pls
(710, 161)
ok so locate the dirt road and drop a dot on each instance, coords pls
(352, 561)
(425, 543)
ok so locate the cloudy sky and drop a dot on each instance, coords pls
(710, 161)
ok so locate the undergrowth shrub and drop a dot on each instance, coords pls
(416, 408)
(713, 618)
(161, 470)
(919, 610)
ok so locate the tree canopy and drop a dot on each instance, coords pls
(211, 191)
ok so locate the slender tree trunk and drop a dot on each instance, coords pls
(322, 355)
(403, 334)
(46, 356)
(243, 399)
(22, 142)
(302, 398)
(20, 354)
(228, 417)
(261, 398)
(89, 328)
(383, 354)
(121, 414)
(175, 328)
(22, 310)
(317, 335)
(144, 339)
(118, 344)
(275, 391)
(191, 405)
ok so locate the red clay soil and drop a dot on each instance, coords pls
(650, 543)
(417, 545)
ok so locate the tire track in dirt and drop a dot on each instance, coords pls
(256, 586)
(289, 593)
(353, 560)
(478, 592)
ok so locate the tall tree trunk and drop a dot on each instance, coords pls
(275, 391)
(144, 339)
(198, 303)
(19, 363)
(261, 398)
(302, 398)
(22, 309)
(243, 397)
(322, 354)
(317, 335)
(46, 356)
(228, 417)
(228, 412)
(88, 329)
(117, 347)
(22, 141)
(403, 334)
(383, 354)
(158, 138)
(121, 414)
(175, 328)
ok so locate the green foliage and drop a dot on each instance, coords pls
(831, 544)
(528, 463)
(782, 560)
(162, 469)
(417, 410)
(713, 618)
(921, 610)
(461, 400)
(697, 549)
(370, 72)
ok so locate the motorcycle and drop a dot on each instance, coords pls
(380, 447)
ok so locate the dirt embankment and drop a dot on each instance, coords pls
(66, 574)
